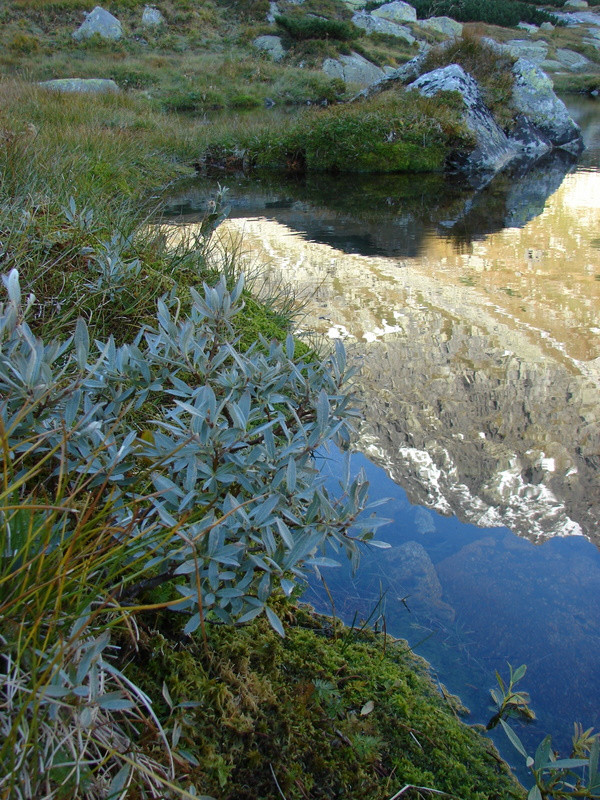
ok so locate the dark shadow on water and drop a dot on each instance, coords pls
(384, 215)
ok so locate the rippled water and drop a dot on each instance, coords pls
(475, 319)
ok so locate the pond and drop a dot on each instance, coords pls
(474, 316)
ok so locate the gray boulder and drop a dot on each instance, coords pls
(533, 96)
(152, 18)
(526, 26)
(532, 51)
(493, 150)
(443, 25)
(372, 24)
(546, 26)
(397, 12)
(87, 85)
(353, 69)
(101, 22)
(577, 4)
(271, 45)
(571, 60)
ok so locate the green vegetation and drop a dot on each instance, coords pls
(395, 132)
(555, 778)
(507, 13)
(315, 28)
(324, 712)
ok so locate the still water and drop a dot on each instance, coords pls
(475, 319)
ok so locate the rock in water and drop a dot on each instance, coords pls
(411, 567)
(493, 150)
(533, 96)
(101, 22)
(87, 85)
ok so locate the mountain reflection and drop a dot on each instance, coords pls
(474, 317)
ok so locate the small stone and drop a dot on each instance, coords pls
(152, 18)
(101, 22)
(547, 26)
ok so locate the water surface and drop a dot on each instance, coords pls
(475, 318)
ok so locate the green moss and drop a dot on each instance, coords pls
(292, 707)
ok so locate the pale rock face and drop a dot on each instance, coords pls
(444, 25)
(571, 60)
(101, 22)
(87, 85)
(533, 95)
(397, 12)
(271, 45)
(532, 51)
(493, 150)
(152, 18)
(352, 69)
(372, 24)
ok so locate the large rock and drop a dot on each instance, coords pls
(493, 150)
(152, 17)
(413, 571)
(353, 69)
(533, 96)
(87, 85)
(271, 45)
(577, 4)
(443, 25)
(101, 22)
(397, 12)
(532, 51)
(571, 60)
(372, 24)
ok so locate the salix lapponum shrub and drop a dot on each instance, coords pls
(175, 459)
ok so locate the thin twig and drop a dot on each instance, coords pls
(277, 782)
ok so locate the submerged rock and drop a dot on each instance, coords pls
(101, 22)
(412, 568)
(353, 69)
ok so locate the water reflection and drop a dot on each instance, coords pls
(474, 318)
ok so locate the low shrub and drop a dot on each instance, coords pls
(306, 27)
(392, 133)
(24, 43)
(507, 13)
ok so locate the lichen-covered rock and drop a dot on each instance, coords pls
(493, 150)
(396, 11)
(87, 85)
(271, 45)
(533, 96)
(152, 17)
(535, 52)
(443, 25)
(571, 60)
(372, 24)
(101, 22)
(353, 69)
